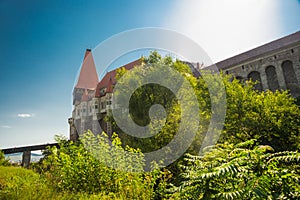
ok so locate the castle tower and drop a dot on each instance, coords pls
(88, 77)
(85, 87)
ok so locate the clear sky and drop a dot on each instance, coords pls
(42, 44)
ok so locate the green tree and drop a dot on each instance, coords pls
(150, 94)
(271, 117)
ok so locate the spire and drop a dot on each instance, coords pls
(88, 77)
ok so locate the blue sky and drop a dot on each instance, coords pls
(43, 44)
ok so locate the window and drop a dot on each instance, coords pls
(255, 77)
(272, 78)
(290, 78)
(102, 91)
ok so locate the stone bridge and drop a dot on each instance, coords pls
(27, 151)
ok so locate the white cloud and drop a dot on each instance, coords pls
(5, 126)
(25, 115)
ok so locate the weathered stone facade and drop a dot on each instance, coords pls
(275, 65)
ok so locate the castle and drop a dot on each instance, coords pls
(92, 98)
(275, 66)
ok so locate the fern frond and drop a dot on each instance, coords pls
(262, 186)
(289, 157)
(235, 194)
(282, 153)
(246, 144)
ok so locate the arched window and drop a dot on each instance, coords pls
(255, 77)
(272, 78)
(290, 77)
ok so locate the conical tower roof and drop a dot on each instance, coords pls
(88, 77)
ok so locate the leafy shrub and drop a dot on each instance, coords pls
(75, 169)
(3, 160)
(272, 118)
(242, 171)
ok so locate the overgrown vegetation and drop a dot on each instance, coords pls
(3, 160)
(241, 171)
(98, 168)
(73, 171)
(256, 157)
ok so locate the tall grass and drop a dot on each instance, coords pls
(17, 183)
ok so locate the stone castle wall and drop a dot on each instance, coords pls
(275, 70)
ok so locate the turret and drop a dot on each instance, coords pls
(82, 93)
(88, 77)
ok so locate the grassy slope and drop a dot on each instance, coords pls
(21, 184)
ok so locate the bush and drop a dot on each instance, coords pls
(3, 161)
(272, 118)
(242, 171)
(75, 169)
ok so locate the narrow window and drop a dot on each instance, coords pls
(255, 77)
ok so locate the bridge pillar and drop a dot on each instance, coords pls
(26, 159)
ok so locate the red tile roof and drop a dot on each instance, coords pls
(88, 77)
(109, 80)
